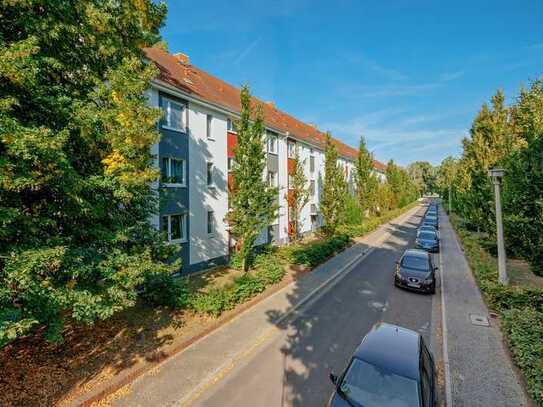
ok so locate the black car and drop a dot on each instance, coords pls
(416, 271)
(392, 367)
(427, 240)
(427, 228)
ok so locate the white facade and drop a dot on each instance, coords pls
(207, 148)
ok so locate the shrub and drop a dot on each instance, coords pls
(524, 328)
(314, 253)
(211, 302)
(164, 290)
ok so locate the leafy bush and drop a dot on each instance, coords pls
(215, 300)
(211, 302)
(314, 253)
(164, 290)
(524, 328)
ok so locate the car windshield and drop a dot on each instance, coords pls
(415, 263)
(369, 386)
(427, 236)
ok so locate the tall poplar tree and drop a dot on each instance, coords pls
(366, 181)
(253, 203)
(297, 196)
(334, 189)
(75, 166)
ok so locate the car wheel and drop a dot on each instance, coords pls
(433, 289)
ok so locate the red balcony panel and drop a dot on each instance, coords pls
(231, 142)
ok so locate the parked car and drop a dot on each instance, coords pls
(392, 367)
(416, 271)
(431, 220)
(427, 240)
(427, 228)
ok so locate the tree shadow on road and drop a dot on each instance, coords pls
(322, 338)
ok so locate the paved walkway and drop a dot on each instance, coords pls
(481, 371)
(190, 372)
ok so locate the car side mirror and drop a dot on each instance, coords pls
(436, 268)
(333, 378)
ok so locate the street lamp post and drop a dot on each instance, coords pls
(496, 174)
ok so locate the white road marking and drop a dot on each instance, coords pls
(446, 366)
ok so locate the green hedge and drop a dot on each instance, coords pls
(521, 309)
(370, 224)
(216, 300)
(314, 253)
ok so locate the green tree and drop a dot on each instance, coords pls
(423, 175)
(75, 166)
(491, 140)
(523, 181)
(365, 180)
(253, 203)
(334, 189)
(297, 196)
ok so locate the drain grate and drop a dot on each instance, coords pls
(479, 320)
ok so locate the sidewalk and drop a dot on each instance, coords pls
(481, 371)
(185, 375)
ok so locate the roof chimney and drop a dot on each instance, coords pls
(182, 58)
(271, 104)
(313, 125)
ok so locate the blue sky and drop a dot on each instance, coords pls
(409, 75)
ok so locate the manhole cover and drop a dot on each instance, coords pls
(479, 320)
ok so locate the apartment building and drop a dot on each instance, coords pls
(195, 156)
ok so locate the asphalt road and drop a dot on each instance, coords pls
(292, 367)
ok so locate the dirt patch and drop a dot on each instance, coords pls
(38, 373)
(520, 273)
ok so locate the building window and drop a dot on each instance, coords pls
(209, 121)
(209, 174)
(290, 181)
(174, 115)
(312, 187)
(230, 163)
(230, 125)
(175, 227)
(291, 149)
(173, 171)
(272, 178)
(272, 144)
(312, 163)
(210, 222)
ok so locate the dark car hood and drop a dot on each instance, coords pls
(420, 274)
(426, 241)
(337, 401)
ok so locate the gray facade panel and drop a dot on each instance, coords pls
(175, 200)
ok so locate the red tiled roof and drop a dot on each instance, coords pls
(211, 89)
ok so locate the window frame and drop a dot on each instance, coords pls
(209, 126)
(273, 140)
(166, 107)
(183, 219)
(311, 163)
(230, 126)
(213, 223)
(273, 184)
(182, 184)
(210, 181)
(291, 154)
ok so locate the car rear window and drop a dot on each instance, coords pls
(415, 263)
(368, 385)
(427, 236)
